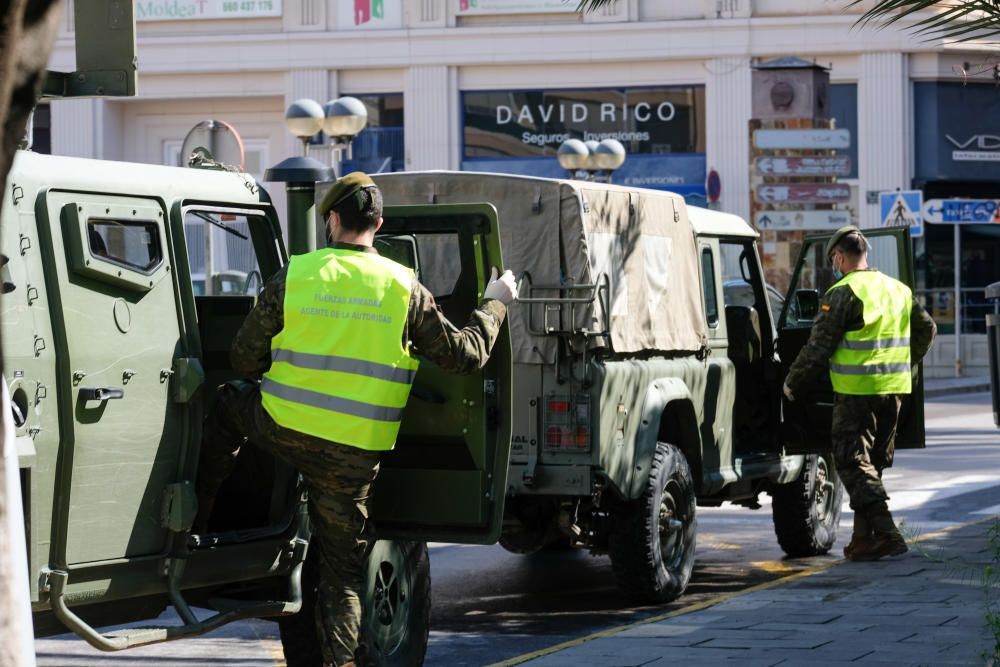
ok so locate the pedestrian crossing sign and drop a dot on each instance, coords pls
(903, 208)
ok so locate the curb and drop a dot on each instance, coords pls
(957, 389)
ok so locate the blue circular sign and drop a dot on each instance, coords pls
(713, 186)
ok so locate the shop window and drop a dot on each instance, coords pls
(41, 130)
(844, 110)
(379, 147)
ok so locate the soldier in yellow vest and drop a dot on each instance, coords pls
(332, 339)
(869, 333)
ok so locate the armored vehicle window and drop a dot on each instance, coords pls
(708, 282)
(440, 266)
(133, 244)
(221, 254)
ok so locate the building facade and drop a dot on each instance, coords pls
(496, 85)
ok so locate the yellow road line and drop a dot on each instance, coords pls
(705, 604)
(772, 566)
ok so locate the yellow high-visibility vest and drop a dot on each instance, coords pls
(876, 358)
(339, 369)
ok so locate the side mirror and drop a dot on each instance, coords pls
(806, 303)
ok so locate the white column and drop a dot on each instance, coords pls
(884, 128)
(431, 118)
(727, 117)
(78, 127)
(299, 83)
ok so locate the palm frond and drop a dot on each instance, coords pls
(587, 6)
(960, 20)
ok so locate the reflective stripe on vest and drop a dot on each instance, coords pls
(339, 369)
(876, 358)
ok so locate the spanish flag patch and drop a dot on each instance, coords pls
(825, 306)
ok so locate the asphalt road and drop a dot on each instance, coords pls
(491, 606)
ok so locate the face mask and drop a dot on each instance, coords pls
(837, 273)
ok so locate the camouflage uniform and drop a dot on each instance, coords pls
(338, 477)
(863, 431)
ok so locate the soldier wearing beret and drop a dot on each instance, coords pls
(332, 389)
(869, 333)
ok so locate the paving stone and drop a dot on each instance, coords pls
(791, 642)
(836, 626)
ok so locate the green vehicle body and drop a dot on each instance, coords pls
(127, 291)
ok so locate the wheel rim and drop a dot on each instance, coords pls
(825, 494)
(672, 519)
(389, 597)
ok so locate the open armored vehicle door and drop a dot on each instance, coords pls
(806, 426)
(447, 476)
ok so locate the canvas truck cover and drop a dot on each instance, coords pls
(572, 232)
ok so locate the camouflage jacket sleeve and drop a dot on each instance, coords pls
(435, 337)
(840, 311)
(251, 351)
(922, 332)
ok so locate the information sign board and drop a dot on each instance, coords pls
(825, 165)
(961, 211)
(793, 220)
(804, 193)
(804, 139)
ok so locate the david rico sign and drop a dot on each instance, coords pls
(579, 113)
(190, 10)
(524, 123)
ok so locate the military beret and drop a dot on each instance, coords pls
(348, 185)
(838, 235)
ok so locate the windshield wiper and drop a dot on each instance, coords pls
(207, 218)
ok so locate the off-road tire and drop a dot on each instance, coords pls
(395, 622)
(806, 511)
(653, 559)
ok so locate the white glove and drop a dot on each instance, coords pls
(502, 289)
(788, 392)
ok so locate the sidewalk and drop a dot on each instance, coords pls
(935, 387)
(926, 607)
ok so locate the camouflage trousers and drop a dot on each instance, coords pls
(338, 479)
(864, 441)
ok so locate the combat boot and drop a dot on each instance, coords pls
(862, 535)
(886, 539)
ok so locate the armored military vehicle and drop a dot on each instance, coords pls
(643, 387)
(125, 285)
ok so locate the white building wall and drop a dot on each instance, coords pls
(431, 131)
(885, 128)
(727, 116)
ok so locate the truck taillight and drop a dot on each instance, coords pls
(567, 423)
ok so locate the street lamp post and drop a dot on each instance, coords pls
(341, 119)
(586, 160)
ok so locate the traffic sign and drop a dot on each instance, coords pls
(811, 139)
(962, 211)
(903, 208)
(791, 220)
(804, 193)
(713, 186)
(826, 165)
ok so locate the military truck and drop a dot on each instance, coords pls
(125, 284)
(643, 387)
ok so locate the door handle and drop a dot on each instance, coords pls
(101, 393)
